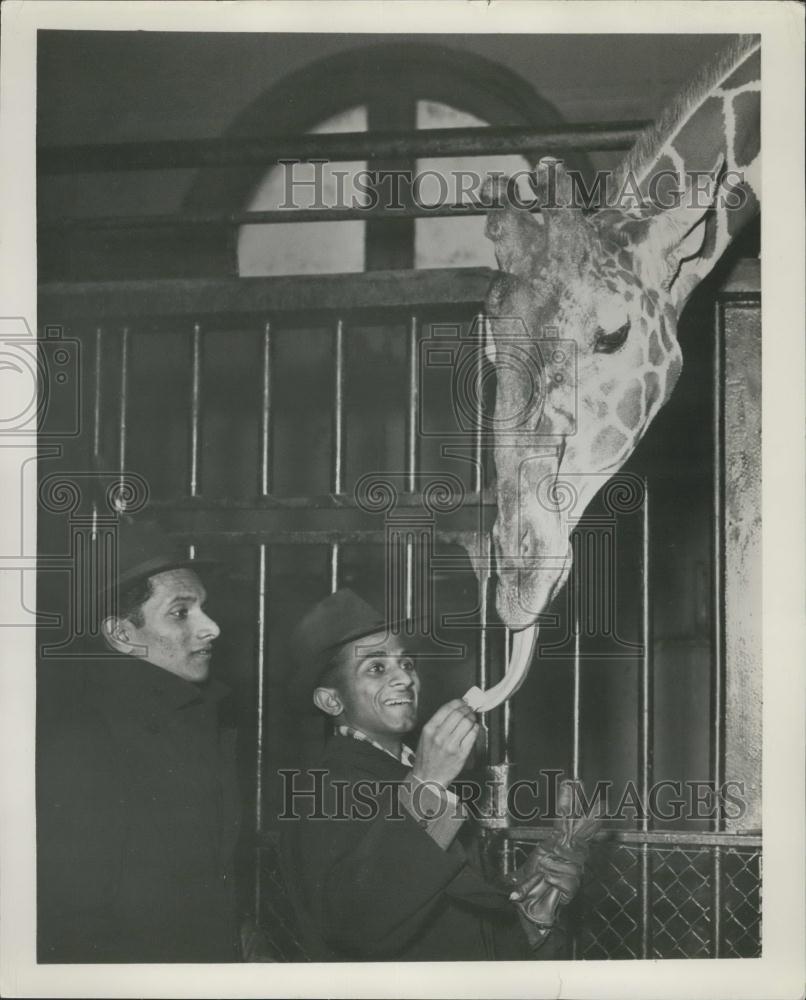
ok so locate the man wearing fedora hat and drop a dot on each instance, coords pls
(137, 813)
(372, 844)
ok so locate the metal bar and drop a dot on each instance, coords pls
(645, 732)
(412, 440)
(178, 224)
(334, 566)
(412, 452)
(482, 668)
(326, 536)
(576, 729)
(337, 478)
(96, 398)
(321, 295)
(646, 685)
(195, 409)
(478, 430)
(124, 405)
(506, 711)
(716, 904)
(717, 749)
(96, 423)
(264, 150)
(261, 667)
(324, 501)
(266, 414)
(663, 838)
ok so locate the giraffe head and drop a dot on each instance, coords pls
(582, 326)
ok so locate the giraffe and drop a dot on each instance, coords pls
(610, 284)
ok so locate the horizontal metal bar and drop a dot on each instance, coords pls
(324, 501)
(308, 294)
(281, 536)
(179, 223)
(340, 146)
(659, 837)
(269, 838)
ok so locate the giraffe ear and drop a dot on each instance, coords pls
(676, 238)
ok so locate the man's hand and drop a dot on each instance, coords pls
(445, 743)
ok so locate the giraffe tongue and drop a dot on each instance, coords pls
(520, 658)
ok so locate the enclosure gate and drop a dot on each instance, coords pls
(648, 893)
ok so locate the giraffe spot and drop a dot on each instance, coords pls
(665, 335)
(628, 295)
(702, 139)
(747, 109)
(750, 208)
(625, 260)
(673, 373)
(651, 389)
(643, 325)
(655, 352)
(611, 285)
(649, 306)
(748, 72)
(664, 183)
(629, 406)
(607, 444)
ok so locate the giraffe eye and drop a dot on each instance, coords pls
(607, 343)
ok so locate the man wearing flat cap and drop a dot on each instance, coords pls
(373, 857)
(137, 811)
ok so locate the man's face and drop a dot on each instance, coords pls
(176, 633)
(378, 686)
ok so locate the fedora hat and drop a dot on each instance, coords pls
(144, 550)
(339, 618)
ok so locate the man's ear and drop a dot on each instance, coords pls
(327, 700)
(116, 633)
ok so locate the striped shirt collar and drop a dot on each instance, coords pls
(406, 753)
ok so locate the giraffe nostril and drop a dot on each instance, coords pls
(526, 543)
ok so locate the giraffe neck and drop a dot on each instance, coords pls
(714, 124)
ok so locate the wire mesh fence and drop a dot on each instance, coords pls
(704, 901)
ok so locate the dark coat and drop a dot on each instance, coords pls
(382, 889)
(137, 819)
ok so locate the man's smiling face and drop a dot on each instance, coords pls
(377, 686)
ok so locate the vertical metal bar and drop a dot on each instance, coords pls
(337, 477)
(266, 414)
(484, 542)
(483, 648)
(261, 667)
(337, 469)
(195, 409)
(334, 566)
(96, 397)
(96, 421)
(506, 722)
(645, 729)
(124, 405)
(478, 430)
(718, 625)
(412, 455)
(413, 402)
(576, 731)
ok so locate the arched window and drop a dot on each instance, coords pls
(388, 87)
